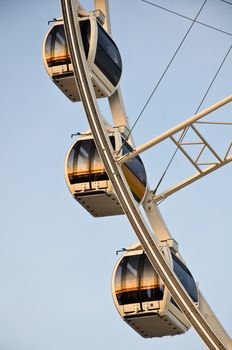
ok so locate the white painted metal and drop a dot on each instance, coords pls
(183, 125)
(215, 161)
(147, 240)
(155, 218)
(103, 6)
(212, 161)
(115, 100)
(213, 322)
(159, 197)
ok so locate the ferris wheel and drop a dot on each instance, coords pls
(153, 289)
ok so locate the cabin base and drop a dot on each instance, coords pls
(151, 326)
(99, 203)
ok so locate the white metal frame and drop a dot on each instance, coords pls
(209, 328)
(215, 162)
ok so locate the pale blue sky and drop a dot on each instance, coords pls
(55, 259)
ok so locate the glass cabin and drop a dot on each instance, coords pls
(102, 56)
(89, 183)
(143, 301)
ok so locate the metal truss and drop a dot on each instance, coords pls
(207, 156)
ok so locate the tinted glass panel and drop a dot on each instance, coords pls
(126, 281)
(185, 278)
(151, 289)
(56, 50)
(108, 58)
(85, 33)
(131, 280)
(84, 163)
(136, 281)
(79, 162)
(97, 169)
(135, 174)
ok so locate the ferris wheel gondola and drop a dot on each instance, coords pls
(142, 299)
(102, 54)
(88, 181)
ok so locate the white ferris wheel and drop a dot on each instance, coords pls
(153, 289)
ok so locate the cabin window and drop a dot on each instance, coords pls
(108, 58)
(185, 278)
(136, 281)
(151, 289)
(56, 49)
(134, 173)
(85, 34)
(135, 164)
(84, 163)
